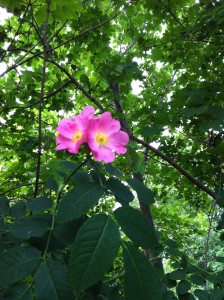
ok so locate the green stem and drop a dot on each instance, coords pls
(115, 277)
(60, 190)
(93, 163)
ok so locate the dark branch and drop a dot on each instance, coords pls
(39, 153)
(176, 166)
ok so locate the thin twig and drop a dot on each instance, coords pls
(17, 31)
(18, 187)
(39, 153)
(78, 85)
(92, 28)
(21, 62)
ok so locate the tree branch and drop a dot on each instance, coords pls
(146, 145)
(21, 62)
(78, 85)
(175, 165)
(19, 186)
(39, 153)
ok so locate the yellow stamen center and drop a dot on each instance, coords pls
(77, 136)
(101, 138)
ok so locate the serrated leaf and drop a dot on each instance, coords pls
(17, 263)
(78, 201)
(136, 226)
(93, 251)
(66, 232)
(28, 227)
(140, 280)
(51, 281)
(39, 204)
(121, 192)
(145, 195)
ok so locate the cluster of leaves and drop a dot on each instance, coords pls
(73, 230)
(79, 241)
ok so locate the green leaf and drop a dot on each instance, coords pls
(219, 259)
(17, 263)
(66, 232)
(120, 191)
(197, 279)
(69, 164)
(21, 291)
(28, 227)
(140, 282)
(52, 184)
(178, 274)
(183, 287)
(78, 201)
(39, 204)
(93, 251)
(201, 294)
(52, 282)
(112, 170)
(137, 227)
(10, 4)
(84, 79)
(144, 194)
(189, 112)
(169, 282)
(4, 206)
(81, 177)
(150, 132)
(217, 294)
(18, 210)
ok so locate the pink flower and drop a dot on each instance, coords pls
(105, 138)
(72, 132)
(102, 134)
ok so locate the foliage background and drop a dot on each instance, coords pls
(60, 56)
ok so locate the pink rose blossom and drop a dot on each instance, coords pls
(102, 134)
(72, 132)
(105, 138)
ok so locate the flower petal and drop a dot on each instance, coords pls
(117, 141)
(66, 127)
(88, 111)
(107, 124)
(105, 154)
